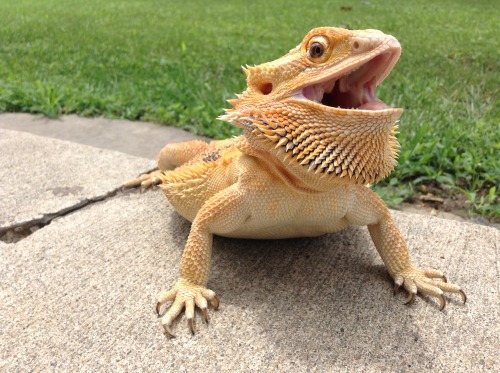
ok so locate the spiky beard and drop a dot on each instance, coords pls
(354, 146)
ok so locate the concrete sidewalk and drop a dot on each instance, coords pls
(140, 139)
(79, 293)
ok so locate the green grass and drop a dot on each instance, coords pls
(177, 63)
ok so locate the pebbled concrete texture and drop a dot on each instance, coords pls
(79, 294)
(41, 176)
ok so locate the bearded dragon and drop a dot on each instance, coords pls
(315, 136)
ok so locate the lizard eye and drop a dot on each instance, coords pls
(316, 50)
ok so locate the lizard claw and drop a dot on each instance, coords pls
(205, 314)
(442, 302)
(168, 331)
(191, 325)
(158, 307)
(410, 299)
(462, 294)
(215, 302)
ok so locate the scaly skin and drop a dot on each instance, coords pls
(314, 136)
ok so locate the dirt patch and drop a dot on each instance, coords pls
(443, 203)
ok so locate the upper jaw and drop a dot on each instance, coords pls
(352, 86)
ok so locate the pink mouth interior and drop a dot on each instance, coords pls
(356, 90)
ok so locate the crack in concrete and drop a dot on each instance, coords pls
(19, 231)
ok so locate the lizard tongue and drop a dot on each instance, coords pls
(376, 104)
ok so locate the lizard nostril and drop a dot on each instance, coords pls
(355, 45)
(266, 88)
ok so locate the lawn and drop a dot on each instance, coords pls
(177, 62)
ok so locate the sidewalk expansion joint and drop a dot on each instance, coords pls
(19, 231)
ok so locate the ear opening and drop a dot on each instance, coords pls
(266, 88)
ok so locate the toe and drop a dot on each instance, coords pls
(452, 288)
(164, 298)
(434, 273)
(429, 287)
(148, 183)
(145, 181)
(189, 308)
(170, 316)
(211, 296)
(132, 183)
(398, 281)
(410, 286)
(201, 303)
(190, 315)
(446, 286)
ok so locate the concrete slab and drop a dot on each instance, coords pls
(79, 294)
(40, 176)
(141, 139)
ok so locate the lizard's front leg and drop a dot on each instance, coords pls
(220, 214)
(170, 157)
(372, 211)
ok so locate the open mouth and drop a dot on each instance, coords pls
(354, 89)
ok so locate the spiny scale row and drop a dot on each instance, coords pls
(326, 151)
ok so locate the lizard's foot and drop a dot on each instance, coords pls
(145, 181)
(415, 279)
(185, 295)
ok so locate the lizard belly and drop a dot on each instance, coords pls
(272, 208)
(257, 231)
(281, 215)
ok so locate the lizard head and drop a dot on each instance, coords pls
(317, 106)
